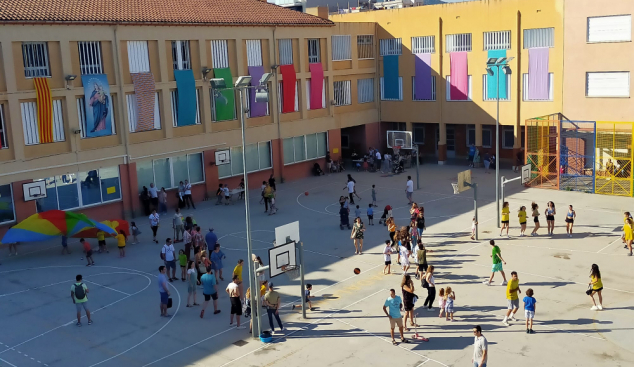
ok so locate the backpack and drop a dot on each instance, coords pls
(79, 291)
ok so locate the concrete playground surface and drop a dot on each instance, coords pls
(37, 317)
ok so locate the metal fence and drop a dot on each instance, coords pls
(613, 163)
(542, 138)
(576, 158)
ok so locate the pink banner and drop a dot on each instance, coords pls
(316, 86)
(459, 81)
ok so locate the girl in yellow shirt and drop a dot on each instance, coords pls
(521, 214)
(597, 287)
(505, 218)
(628, 232)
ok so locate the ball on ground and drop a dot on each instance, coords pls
(357, 271)
(306, 193)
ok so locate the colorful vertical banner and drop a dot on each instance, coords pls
(538, 73)
(459, 81)
(145, 93)
(256, 109)
(390, 77)
(186, 87)
(97, 102)
(492, 80)
(289, 83)
(422, 77)
(225, 106)
(316, 86)
(44, 110)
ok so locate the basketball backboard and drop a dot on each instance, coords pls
(464, 178)
(281, 256)
(34, 190)
(287, 233)
(223, 157)
(402, 139)
(526, 174)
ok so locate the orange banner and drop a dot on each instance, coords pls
(44, 110)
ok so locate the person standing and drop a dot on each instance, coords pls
(145, 200)
(121, 240)
(191, 283)
(237, 271)
(357, 236)
(513, 299)
(188, 195)
(550, 217)
(328, 162)
(596, 286)
(529, 310)
(378, 161)
(79, 295)
(154, 224)
(506, 213)
(234, 298)
(272, 182)
(472, 150)
(101, 241)
(163, 291)
(521, 214)
(421, 257)
(216, 256)
(350, 187)
(392, 309)
(407, 287)
(570, 220)
(210, 291)
(162, 199)
(272, 302)
(268, 194)
(187, 238)
(153, 196)
(535, 215)
(391, 228)
(65, 245)
(211, 238)
(409, 189)
(480, 348)
(88, 251)
(628, 232)
(428, 278)
(178, 227)
(496, 255)
(487, 162)
(168, 253)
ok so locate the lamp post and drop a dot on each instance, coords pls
(241, 86)
(498, 62)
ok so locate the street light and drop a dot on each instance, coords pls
(241, 86)
(498, 62)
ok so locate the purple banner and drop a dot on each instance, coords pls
(257, 109)
(538, 87)
(422, 78)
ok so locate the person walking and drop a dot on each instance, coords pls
(570, 220)
(163, 290)
(162, 200)
(405, 251)
(529, 310)
(268, 195)
(506, 213)
(79, 296)
(421, 257)
(237, 272)
(480, 348)
(144, 196)
(234, 299)
(168, 253)
(628, 232)
(392, 309)
(153, 196)
(407, 288)
(512, 289)
(595, 287)
(210, 291)
(521, 214)
(430, 283)
(216, 258)
(387, 257)
(154, 224)
(178, 227)
(350, 187)
(357, 236)
(487, 162)
(391, 228)
(535, 215)
(121, 241)
(409, 189)
(550, 216)
(187, 198)
(496, 255)
(272, 182)
(420, 222)
(272, 302)
(65, 245)
(88, 251)
(191, 283)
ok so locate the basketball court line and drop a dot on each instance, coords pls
(104, 286)
(608, 245)
(10, 364)
(565, 249)
(52, 284)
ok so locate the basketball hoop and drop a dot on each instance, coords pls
(291, 271)
(396, 149)
(455, 188)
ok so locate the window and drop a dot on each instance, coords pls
(30, 123)
(508, 137)
(254, 53)
(470, 135)
(174, 99)
(133, 115)
(365, 90)
(90, 61)
(80, 189)
(168, 172)
(220, 99)
(258, 157)
(219, 54)
(181, 58)
(323, 94)
(448, 89)
(3, 130)
(314, 51)
(499, 40)
(342, 93)
(286, 51)
(35, 56)
(280, 98)
(81, 112)
(345, 141)
(485, 95)
(616, 28)
(400, 89)
(551, 81)
(7, 211)
(539, 37)
(365, 46)
(458, 42)
(487, 137)
(341, 48)
(423, 45)
(419, 133)
(305, 147)
(248, 102)
(608, 84)
(138, 57)
(391, 46)
(433, 90)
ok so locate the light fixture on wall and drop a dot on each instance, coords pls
(69, 78)
(205, 71)
(274, 66)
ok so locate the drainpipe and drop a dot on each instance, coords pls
(276, 112)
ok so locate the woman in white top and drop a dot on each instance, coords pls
(154, 224)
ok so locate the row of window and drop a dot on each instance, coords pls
(169, 172)
(258, 157)
(305, 147)
(488, 135)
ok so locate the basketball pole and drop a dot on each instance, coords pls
(300, 248)
(474, 186)
(504, 182)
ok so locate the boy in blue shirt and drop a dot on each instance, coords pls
(370, 215)
(529, 310)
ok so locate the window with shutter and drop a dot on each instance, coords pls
(254, 53)
(608, 84)
(138, 57)
(3, 130)
(499, 40)
(341, 48)
(391, 46)
(616, 28)
(286, 51)
(219, 54)
(539, 37)
(365, 90)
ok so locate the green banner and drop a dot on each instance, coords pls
(224, 111)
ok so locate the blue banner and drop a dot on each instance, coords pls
(186, 87)
(98, 107)
(390, 77)
(492, 79)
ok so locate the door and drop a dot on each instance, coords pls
(451, 142)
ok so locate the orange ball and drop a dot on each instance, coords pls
(357, 271)
(306, 193)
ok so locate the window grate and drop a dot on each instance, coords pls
(219, 54)
(90, 61)
(180, 55)
(133, 115)
(539, 37)
(433, 90)
(314, 51)
(35, 55)
(485, 85)
(423, 45)
(254, 53)
(458, 42)
(286, 51)
(498, 40)
(174, 100)
(30, 123)
(138, 57)
(365, 46)
(280, 96)
(400, 90)
(342, 93)
(391, 46)
(525, 93)
(341, 48)
(365, 90)
(448, 90)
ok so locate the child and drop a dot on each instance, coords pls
(505, 219)
(365, 165)
(273, 207)
(227, 194)
(529, 310)
(370, 215)
(357, 212)
(219, 194)
(262, 193)
(441, 301)
(309, 287)
(121, 240)
(101, 240)
(405, 251)
(374, 196)
(88, 251)
(387, 256)
(474, 223)
(182, 259)
(191, 283)
(521, 214)
(135, 233)
(413, 231)
(450, 296)
(513, 299)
